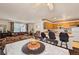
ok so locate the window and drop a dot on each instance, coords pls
(19, 27)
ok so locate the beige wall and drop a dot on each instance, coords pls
(30, 27)
(37, 26)
(7, 23)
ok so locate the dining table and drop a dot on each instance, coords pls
(16, 49)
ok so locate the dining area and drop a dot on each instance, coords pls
(39, 29)
(39, 43)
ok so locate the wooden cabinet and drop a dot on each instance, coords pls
(48, 25)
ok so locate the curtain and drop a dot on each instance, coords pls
(12, 26)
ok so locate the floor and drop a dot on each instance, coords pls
(75, 51)
(75, 48)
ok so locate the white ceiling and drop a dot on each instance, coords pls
(32, 12)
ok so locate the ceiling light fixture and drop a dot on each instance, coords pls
(49, 5)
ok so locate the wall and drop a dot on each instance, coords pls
(38, 26)
(3, 22)
(31, 27)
